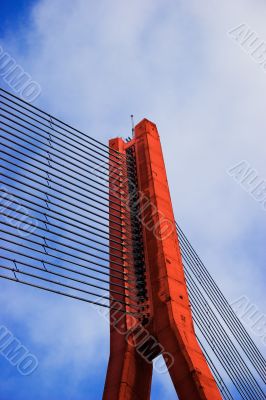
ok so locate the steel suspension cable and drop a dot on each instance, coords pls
(37, 176)
(60, 235)
(103, 166)
(48, 179)
(223, 342)
(225, 316)
(86, 267)
(64, 268)
(48, 159)
(225, 310)
(219, 380)
(105, 216)
(122, 272)
(50, 152)
(46, 213)
(68, 246)
(52, 142)
(50, 127)
(132, 298)
(31, 108)
(49, 202)
(17, 271)
(102, 217)
(47, 223)
(50, 170)
(69, 295)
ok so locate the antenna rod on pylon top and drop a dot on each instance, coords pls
(133, 126)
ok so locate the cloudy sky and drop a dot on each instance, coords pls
(175, 63)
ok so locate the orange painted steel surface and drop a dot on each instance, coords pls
(128, 375)
(170, 320)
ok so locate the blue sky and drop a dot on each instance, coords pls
(14, 14)
(174, 63)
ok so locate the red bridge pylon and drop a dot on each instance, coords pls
(151, 313)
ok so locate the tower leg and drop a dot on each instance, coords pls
(129, 375)
(172, 322)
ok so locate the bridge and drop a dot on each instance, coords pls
(94, 222)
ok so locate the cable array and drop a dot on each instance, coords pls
(225, 392)
(57, 207)
(213, 331)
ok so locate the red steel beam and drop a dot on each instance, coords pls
(170, 321)
(128, 374)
